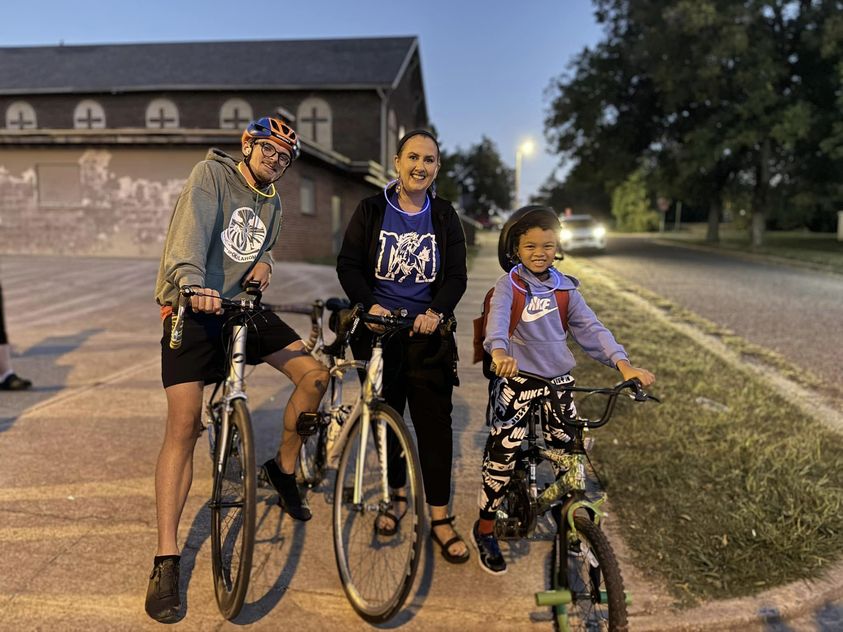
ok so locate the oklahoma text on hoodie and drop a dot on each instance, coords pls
(219, 230)
(539, 342)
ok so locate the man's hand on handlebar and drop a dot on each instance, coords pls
(504, 365)
(261, 273)
(630, 372)
(206, 300)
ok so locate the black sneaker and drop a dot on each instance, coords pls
(488, 552)
(289, 497)
(162, 596)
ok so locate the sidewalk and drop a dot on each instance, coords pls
(77, 457)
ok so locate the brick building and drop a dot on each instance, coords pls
(96, 141)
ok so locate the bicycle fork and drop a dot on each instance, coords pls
(371, 390)
(233, 390)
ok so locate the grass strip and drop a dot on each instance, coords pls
(820, 250)
(726, 488)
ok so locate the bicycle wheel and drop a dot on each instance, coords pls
(233, 514)
(588, 568)
(312, 464)
(377, 571)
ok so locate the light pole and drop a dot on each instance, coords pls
(524, 149)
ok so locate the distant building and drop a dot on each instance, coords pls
(96, 141)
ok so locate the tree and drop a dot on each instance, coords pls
(631, 205)
(479, 177)
(580, 196)
(709, 97)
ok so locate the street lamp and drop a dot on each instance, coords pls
(524, 149)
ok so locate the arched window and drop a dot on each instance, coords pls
(21, 115)
(313, 121)
(88, 115)
(162, 114)
(235, 114)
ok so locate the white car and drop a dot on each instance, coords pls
(581, 232)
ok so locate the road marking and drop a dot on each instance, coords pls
(74, 531)
(88, 490)
(72, 393)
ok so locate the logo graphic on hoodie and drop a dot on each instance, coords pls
(538, 307)
(243, 238)
(404, 255)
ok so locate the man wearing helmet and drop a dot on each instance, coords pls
(224, 225)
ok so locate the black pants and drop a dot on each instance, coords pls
(418, 373)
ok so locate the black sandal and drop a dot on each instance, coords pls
(450, 557)
(396, 519)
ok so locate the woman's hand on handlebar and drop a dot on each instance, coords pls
(504, 365)
(630, 372)
(206, 300)
(425, 323)
(377, 310)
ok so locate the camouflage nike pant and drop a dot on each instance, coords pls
(509, 403)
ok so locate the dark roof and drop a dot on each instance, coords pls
(241, 65)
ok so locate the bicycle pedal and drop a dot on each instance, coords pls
(307, 424)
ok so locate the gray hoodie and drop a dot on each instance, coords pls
(539, 342)
(219, 230)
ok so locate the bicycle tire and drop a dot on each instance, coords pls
(592, 575)
(233, 509)
(377, 571)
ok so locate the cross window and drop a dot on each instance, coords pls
(235, 114)
(162, 114)
(20, 115)
(88, 115)
(314, 121)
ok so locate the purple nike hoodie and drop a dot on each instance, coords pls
(539, 342)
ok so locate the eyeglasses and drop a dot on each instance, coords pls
(269, 151)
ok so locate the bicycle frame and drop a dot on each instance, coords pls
(233, 388)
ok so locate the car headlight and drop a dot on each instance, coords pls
(565, 234)
(599, 231)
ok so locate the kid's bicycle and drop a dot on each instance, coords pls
(586, 588)
(229, 425)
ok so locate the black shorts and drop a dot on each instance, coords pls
(202, 356)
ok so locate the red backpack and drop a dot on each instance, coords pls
(519, 300)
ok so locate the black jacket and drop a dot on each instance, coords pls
(357, 258)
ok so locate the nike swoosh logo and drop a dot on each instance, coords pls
(527, 317)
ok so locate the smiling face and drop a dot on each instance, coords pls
(537, 249)
(417, 164)
(267, 159)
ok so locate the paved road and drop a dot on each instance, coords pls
(794, 311)
(77, 456)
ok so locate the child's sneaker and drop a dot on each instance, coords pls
(488, 552)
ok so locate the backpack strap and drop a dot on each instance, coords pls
(562, 303)
(480, 327)
(519, 300)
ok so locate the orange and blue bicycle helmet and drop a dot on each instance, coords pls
(277, 130)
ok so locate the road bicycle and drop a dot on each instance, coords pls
(586, 588)
(228, 422)
(377, 467)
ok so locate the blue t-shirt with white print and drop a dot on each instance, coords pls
(407, 261)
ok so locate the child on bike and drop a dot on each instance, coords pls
(538, 344)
